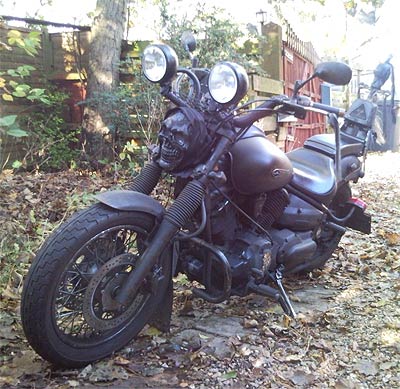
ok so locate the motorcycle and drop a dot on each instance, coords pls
(244, 215)
(386, 115)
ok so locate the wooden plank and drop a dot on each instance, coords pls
(266, 85)
(70, 76)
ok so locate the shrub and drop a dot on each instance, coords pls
(50, 144)
(133, 113)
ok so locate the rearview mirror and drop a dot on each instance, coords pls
(336, 73)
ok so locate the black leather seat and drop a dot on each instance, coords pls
(325, 143)
(314, 174)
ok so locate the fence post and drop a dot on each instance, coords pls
(271, 50)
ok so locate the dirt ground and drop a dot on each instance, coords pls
(346, 335)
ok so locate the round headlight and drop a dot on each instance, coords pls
(159, 63)
(228, 83)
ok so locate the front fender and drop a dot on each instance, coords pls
(128, 200)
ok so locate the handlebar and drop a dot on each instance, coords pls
(254, 115)
(296, 106)
(307, 102)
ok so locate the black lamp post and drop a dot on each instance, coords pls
(261, 17)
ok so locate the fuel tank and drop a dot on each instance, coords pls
(257, 165)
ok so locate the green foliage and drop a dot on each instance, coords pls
(15, 86)
(51, 145)
(9, 126)
(42, 133)
(133, 113)
(218, 37)
(29, 43)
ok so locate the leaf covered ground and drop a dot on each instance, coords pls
(346, 335)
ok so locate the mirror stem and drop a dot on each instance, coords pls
(299, 84)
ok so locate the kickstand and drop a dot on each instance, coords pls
(283, 297)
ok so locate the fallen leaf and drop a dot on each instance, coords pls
(392, 238)
(152, 331)
(229, 375)
(250, 323)
(322, 344)
(11, 293)
(293, 358)
(121, 361)
(7, 333)
(85, 371)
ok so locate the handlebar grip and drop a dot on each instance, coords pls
(337, 111)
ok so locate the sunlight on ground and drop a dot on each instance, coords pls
(351, 293)
(390, 337)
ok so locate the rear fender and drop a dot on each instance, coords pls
(360, 221)
(128, 200)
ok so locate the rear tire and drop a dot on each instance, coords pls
(68, 313)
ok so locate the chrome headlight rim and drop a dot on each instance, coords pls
(159, 63)
(228, 83)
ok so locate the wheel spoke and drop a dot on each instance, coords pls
(79, 302)
(82, 275)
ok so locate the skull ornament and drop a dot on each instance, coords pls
(183, 139)
(174, 141)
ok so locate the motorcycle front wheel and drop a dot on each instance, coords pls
(68, 312)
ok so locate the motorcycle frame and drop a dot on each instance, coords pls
(191, 197)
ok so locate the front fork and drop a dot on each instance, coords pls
(184, 207)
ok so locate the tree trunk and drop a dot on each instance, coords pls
(103, 75)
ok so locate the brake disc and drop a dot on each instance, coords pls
(100, 309)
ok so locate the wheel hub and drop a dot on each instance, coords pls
(100, 310)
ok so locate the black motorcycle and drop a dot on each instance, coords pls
(244, 214)
(385, 118)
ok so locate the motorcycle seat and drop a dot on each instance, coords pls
(325, 143)
(314, 174)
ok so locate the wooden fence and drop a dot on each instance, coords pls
(63, 58)
(287, 59)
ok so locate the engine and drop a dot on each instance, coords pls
(248, 248)
(254, 247)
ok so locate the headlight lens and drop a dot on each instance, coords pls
(228, 83)
(159, 63)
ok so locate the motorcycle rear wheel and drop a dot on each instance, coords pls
(68, 312)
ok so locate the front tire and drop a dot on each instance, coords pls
(68, 312)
